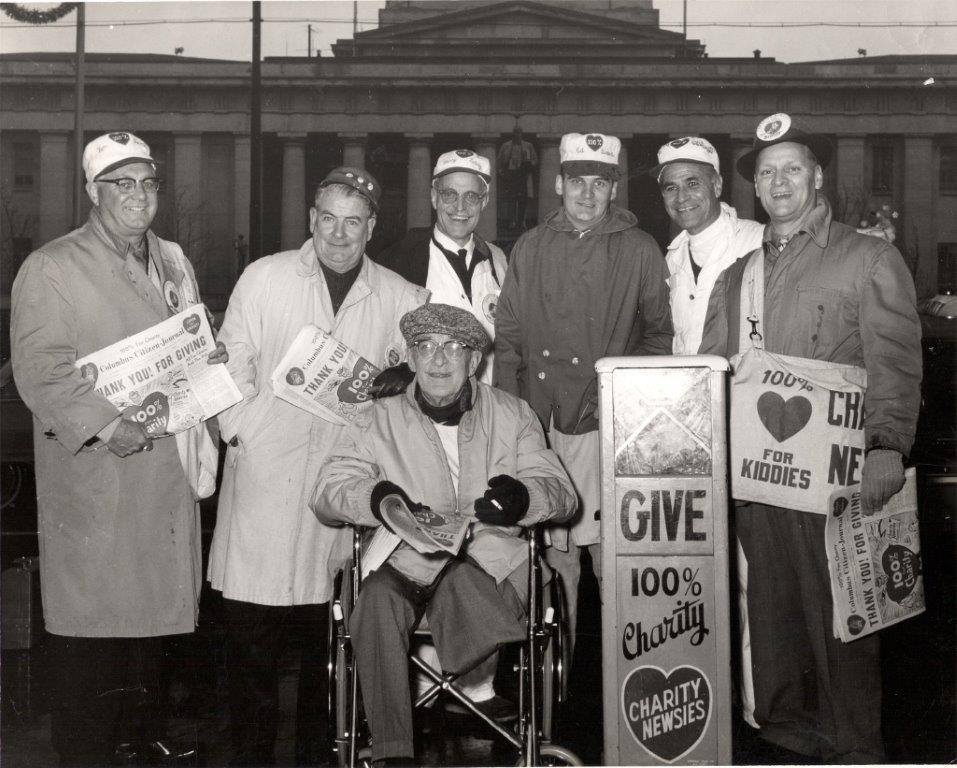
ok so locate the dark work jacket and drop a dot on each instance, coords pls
(570, 298)
(836, 295)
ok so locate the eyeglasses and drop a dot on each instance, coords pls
(150, 186)
(451, 197)
(454, 350)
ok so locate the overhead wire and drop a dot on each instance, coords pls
(303, 20)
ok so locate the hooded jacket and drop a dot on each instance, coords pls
(734, 238)
(570, 298)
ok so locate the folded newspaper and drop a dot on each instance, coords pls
(874, 560)
(323, 376)
(425, 530)
(160, 378)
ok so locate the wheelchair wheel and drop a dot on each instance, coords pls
(342, 674)
(552, 754)
(555, 661)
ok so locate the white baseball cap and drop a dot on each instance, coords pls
(114, 150)
(688, 149)
(590, 154)
(462, 160)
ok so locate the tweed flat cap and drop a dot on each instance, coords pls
(444, 318)
(357, 178)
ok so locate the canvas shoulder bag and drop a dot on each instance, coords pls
(797, 425)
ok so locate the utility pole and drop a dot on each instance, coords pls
(309, 45)
(255, 142)
(78, 178)
(355, 25)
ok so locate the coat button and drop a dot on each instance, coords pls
(691, 296)
(541, 375)
(574, 361)
(545, 353)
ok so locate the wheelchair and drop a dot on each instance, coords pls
(542, 670)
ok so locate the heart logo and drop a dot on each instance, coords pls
(464, 152)
(295, 377)
(902, 567)
(354, 388)
(783, 418)
(90, 371)
(773, 126)
(152, 414)
(120, 138)
(191, 324)
(667, 714)
(679, 143)
(594, 142)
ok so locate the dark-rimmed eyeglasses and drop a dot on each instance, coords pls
(126, 184)
(451, 197)
(454, 350)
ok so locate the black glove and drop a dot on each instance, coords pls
(504, 503)
(382, 489)
(391, 381)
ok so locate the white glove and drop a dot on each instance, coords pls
(881, 478)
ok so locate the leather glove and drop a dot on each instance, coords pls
(391, 381)
(881, 478)
(504, 503)
(382, 489)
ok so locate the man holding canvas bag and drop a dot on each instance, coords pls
(822, 329)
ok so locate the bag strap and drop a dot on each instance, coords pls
(752, 304)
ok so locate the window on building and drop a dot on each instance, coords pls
(948, 169)
(24, 164)
(883, 168)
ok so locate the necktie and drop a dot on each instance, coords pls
(457, 260)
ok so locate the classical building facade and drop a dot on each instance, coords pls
(450, 73)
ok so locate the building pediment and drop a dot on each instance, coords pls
(518, 29)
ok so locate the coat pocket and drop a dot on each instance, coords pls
(821, 319)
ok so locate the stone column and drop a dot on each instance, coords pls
(851, 195)
(187, 196)
(549, 166)
(188, 171)
(354, 149)
(242, 159)
(56, 186)
(418, 203)
(741, 193)
(918, 210)
(294, 218)
(621, 198)
(488, 224)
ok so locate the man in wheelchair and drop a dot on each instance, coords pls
(448, 443)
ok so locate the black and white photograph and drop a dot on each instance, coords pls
(656, 298)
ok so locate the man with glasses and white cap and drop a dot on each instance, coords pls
(455, 264)
(461, 269)
(273, 561)
(118, 521)
(586, 283)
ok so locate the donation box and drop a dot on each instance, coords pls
(664, 561)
